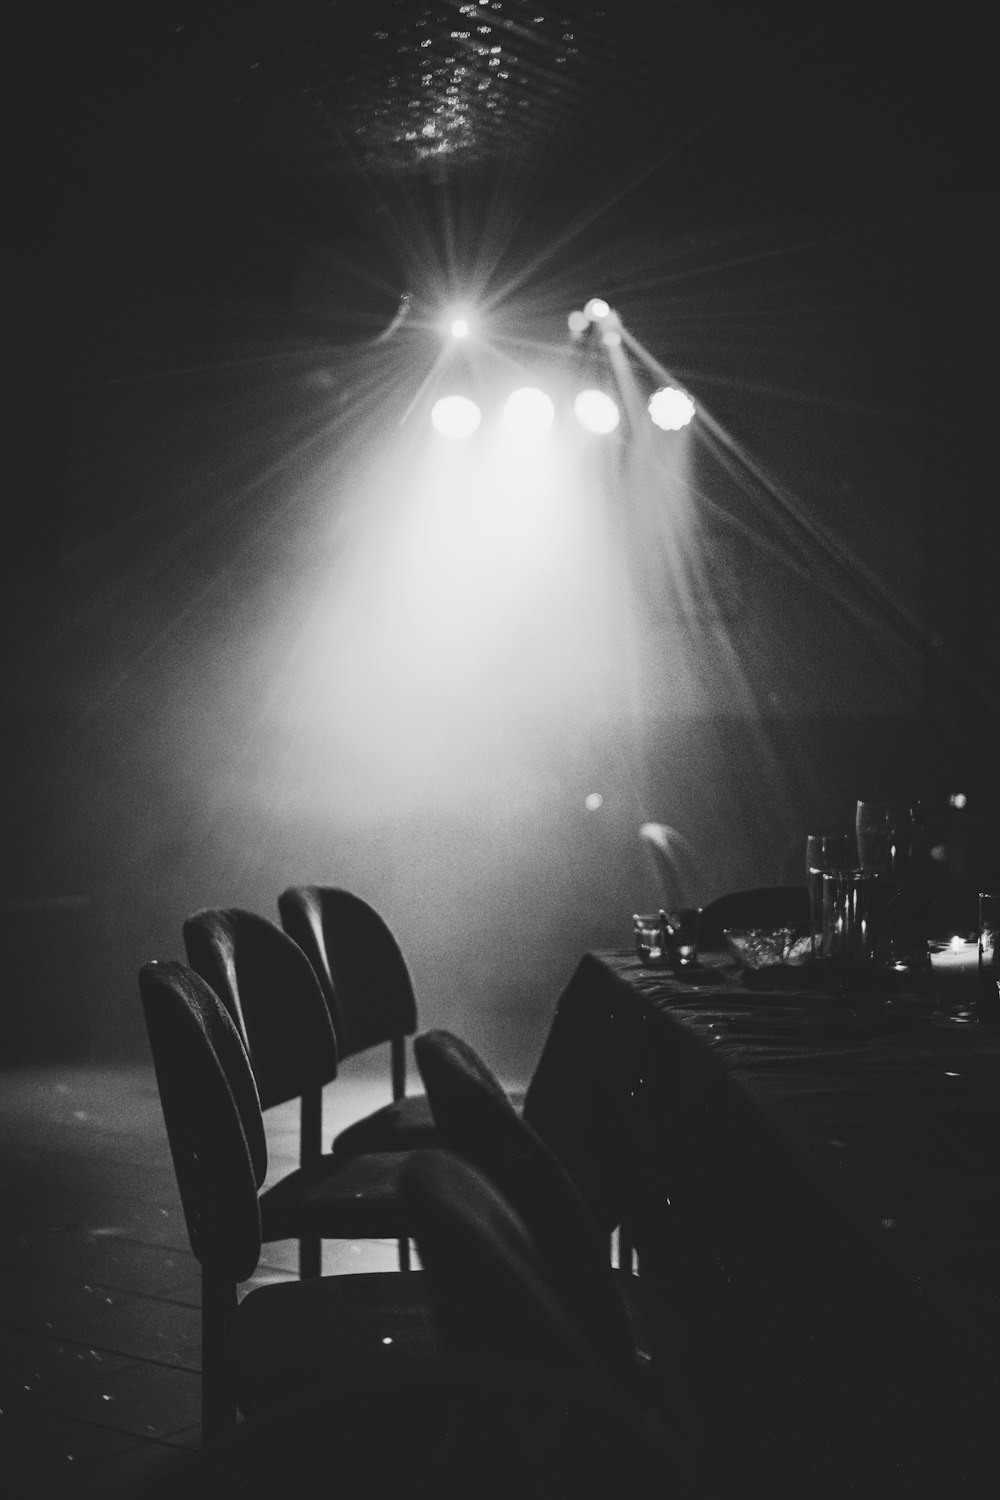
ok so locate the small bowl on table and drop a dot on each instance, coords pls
(768, 947)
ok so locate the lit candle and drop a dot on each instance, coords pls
(955, 969)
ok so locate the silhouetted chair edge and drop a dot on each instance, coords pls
(626, 1324)
(494, 1298)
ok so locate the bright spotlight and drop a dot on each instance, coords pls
(528, 411)
(597, 308)
(596, 411)
(670, 409)
(456, 416)
(578, 323)
(611, 338)
(458, 321)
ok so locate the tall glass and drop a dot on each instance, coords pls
(887, 845)
(886, 835)
(826, 853)
(988, 992)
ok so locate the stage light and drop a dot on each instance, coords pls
(528, 411)
(596, 309)
(458, 321)
(611, 338)
(670, 409)
(578, 323)
(596, 411)
(456, 416)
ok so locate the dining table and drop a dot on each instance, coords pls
(810, 1175)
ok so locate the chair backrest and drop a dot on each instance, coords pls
(489, 1292)
(212, 1116)
(268, 986)
(476, 1119)
(358, 962)
(756, 906)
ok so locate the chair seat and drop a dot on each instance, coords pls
(374, 1331)
(405, 1125)
(337, 1197)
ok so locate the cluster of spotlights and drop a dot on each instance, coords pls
(529, 412)
(597, 313)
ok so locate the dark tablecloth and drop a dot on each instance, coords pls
(813, 1184)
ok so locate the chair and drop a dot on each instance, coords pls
(367, 985)
(627, 1329)
(568, 1426)
(271, 993)
(360, 1334)
(756, 906)
(342, 1374)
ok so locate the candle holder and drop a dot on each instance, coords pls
(954, 975)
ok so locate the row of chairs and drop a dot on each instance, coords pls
(516, 1307)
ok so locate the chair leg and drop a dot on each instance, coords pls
(310, 1258)
(218, 1308)
(397, 1065)
(310, 1150)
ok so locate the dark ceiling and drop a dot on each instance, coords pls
(151, 130)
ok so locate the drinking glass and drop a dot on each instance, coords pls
(682, 934)
(887, 837)
(648, 928)
(886, 832)
(988, 992)
(826, 853)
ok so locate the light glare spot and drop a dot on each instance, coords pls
(578, 322)
(456, 416)
(670, 409)
(958, 799)
(596, 411)
(460, 328)
(597, 308)
(593, 801)
(528, 411)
